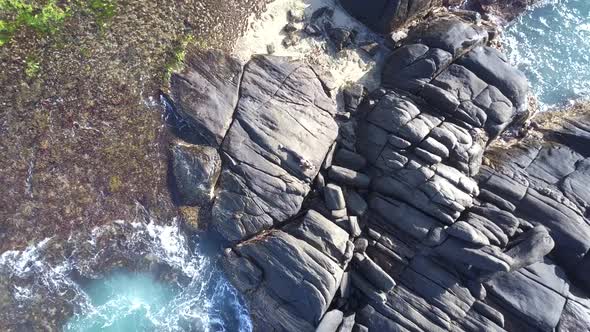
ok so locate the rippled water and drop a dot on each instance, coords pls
(551, 44)
(183, 290)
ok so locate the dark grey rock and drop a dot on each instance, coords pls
(196, 169)
(349, 159)
(489, 312)
(487, 258)
(355, 203)
(435, 237)
(384, 16)
(291, 270)
(491, 66)
(367, 288)
(466, 232)
(359, 328)
(334, 197)
(341, 38)
(312, 30)
(373, 272)
(323, 235)
(271, 164)
(352, 95)
(371, 48)
(403, 216)
(450, 34)
(477, 289)
(206, 93)
(289, 28)
(530, 247)
(349, 177)
(345, 286)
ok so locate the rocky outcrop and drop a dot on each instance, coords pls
(387, 15)
(394, 219)
(282, 130)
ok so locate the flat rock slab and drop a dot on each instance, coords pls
(282, 131)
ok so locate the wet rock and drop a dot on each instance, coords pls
(196, 169)
(206, 93)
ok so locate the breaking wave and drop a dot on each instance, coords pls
(182, 290)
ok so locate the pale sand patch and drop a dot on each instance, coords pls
(349, 65)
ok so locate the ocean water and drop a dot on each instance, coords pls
(550, 44)
(185, 291)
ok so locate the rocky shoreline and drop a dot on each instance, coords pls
(387, 215)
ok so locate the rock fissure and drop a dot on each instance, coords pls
(399, 226)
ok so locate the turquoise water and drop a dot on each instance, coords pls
(125, 302)
(185, 291)
(181, 288)
(551, 44)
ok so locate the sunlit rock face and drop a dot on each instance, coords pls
(390, 216)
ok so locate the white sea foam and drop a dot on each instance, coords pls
(549, 44)
(201, 299)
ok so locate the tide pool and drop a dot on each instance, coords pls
(550, 44)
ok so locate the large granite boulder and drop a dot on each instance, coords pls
(206, 92)
(289, 277)
(282, 131)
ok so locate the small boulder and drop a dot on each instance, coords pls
(334, 197)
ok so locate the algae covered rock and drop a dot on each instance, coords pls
(196, 169)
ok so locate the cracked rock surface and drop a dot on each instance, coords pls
(406, 216)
